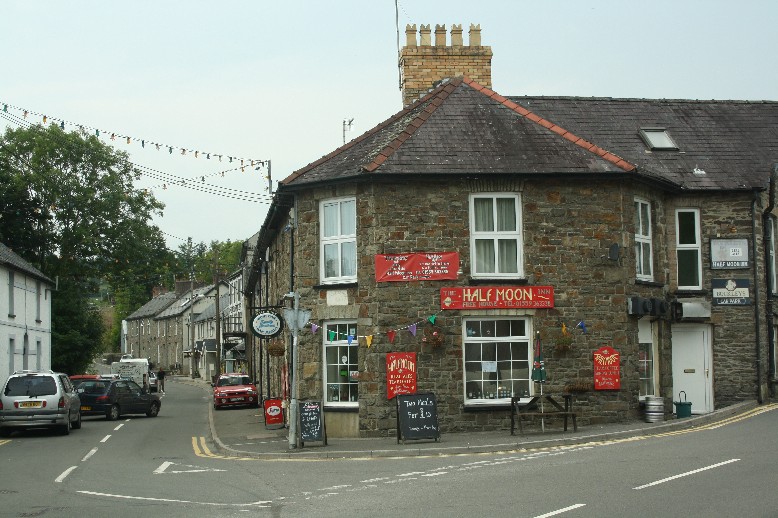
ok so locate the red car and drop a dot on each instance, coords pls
(234, 390)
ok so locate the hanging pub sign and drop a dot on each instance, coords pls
(432, 266)
(497, 297)
(267, 324)
(728, 254)
(731, 292)
(607, 369)
(400, 374)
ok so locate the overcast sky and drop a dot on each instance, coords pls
(274, 80)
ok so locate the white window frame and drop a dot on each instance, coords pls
(648, 366)
(643, 240)
(696, 247)
(338, 239)
(336, 383)
(477, 390)
(496, 236)
(11, 292)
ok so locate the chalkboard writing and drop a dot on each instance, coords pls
(417, 417)
(312, 422)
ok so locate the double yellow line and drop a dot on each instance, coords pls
(201, 450)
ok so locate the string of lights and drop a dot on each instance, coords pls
(114, 135)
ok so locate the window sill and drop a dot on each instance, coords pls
(644, 282)
(475, 281)
(488, 407)
(350, 408)
(690, 293)
(341, 286)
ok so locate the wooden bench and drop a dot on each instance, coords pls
(530, 408)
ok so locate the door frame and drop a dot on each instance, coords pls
(703, 348)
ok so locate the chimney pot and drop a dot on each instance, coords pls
(410, 35)
(475, 35)
(425, 33)
(440, 35)
(456, 35)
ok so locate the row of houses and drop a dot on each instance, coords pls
(631, 240)
(25, 315)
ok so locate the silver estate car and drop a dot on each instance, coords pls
(36, 399)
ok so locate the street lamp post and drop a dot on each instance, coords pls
(296, 319)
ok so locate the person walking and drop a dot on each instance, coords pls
(161, 380)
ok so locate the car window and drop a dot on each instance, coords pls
(245, 380)
(31, 386)
(133, 387)
(94, 387)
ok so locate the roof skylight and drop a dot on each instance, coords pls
(658, 139)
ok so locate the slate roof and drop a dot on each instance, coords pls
(182, 303)
(154, 306)
(460, 127)
(14, 261)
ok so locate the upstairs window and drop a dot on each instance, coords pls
(11, 290)
(688, 249)
(657, 139)
(338, 255)
(643, 241)
(495, 237)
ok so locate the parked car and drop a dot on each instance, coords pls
(234, 390)
(35, 399)
(153, 382)
(114, 398)
(77, 379)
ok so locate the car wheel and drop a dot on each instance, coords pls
(153, 410)
(113, 413)
(77, 424)
(65, 428)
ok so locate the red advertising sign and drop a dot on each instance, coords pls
(400, 374)
(431, 266)
(497, 297)
(607, 369)
(274, 414)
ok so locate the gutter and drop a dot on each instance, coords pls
(767, 226)
(757, 326)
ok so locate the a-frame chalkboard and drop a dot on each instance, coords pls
(417, 417)
(312, 422)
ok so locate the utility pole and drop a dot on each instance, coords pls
(216, 282)
(191, 324)
(296, 319)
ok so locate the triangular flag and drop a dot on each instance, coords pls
(564, 329)
(350, 339)
(432, 318)
(369, 340)
(391, 334)
(331, 335)
(314, 328)
(582, 325)
(412, 329)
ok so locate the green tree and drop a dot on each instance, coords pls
(69, 207)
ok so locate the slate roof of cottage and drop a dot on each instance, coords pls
(460, 127)
(14, 261)
(182, 303)
(154, 306)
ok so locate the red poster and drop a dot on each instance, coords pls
(431, 266)
(497, 297)
(400, 374)
(607, 369)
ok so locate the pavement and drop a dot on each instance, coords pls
(242, 433)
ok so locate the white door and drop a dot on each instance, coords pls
(692, 371)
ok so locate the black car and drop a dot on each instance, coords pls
(114, 398)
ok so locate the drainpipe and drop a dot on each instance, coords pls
(767, 226)
(757, 327)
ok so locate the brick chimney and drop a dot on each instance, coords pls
(423, 64)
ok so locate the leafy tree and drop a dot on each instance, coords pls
(69, 207)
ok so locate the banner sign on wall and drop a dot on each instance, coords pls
(607, 369)
(400, 374)
(416, 267)
(728, 254)
(731, 292)
(497, 297)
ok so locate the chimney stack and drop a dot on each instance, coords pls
(423, 64)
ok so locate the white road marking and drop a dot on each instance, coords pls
(105, 439)
(65, 473)
(163, 468)
(91, 452)
(118, 426)
(260, 503)
(686, 474)
(379, 479)
(410, 474)
(435, 474)
(560, 511)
